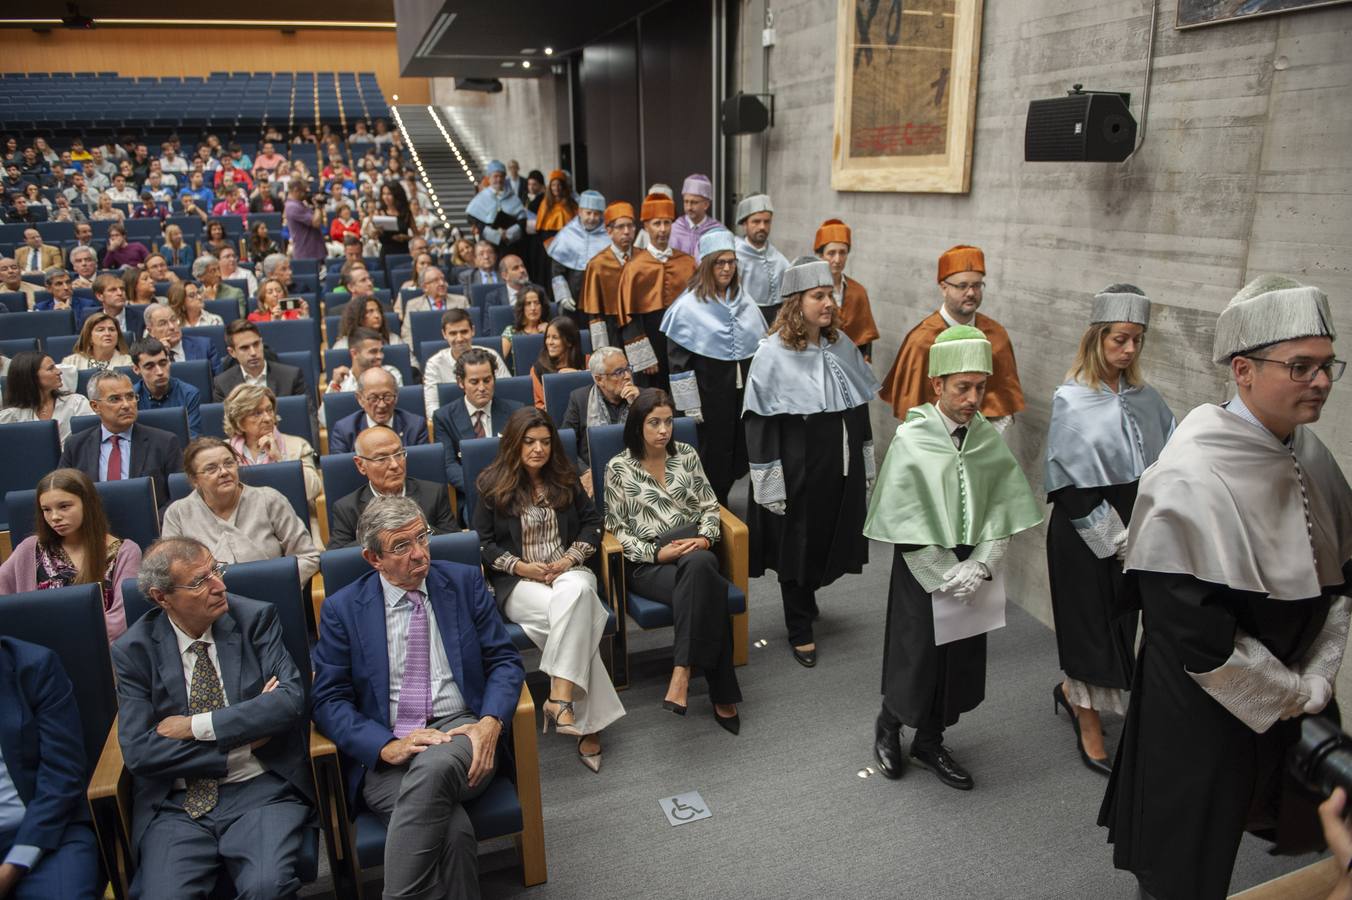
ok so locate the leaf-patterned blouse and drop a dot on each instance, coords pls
(639, 510)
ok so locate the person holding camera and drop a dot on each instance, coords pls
(304, 221)
(1239, 542)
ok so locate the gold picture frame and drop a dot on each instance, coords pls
(905, 101)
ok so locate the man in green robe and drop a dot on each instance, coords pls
(949, 496)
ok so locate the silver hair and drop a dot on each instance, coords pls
(81, 251)
(152, 310)
(92, 390)
(160, 558)
(271, 262)
(385, 514)
(200, 264)
(422, 279)
(599, 357)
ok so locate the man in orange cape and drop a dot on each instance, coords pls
(650, 282)
(833, 244)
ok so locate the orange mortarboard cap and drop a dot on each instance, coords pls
(961, 258)
(558, 175)
(658, 206)
(832, 230)
(619, 210)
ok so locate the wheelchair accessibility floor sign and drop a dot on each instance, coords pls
(684, 808)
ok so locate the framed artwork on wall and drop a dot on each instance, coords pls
(1192, 13)
(905, 102)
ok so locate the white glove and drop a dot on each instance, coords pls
(513, 234)
(1320, 691)
(964, 578)
(778, 507)
(568, 303)
(1121, 544)
(696, 415)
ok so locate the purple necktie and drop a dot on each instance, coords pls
(415, 691)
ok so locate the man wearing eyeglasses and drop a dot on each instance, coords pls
(962, 285)
(1239, 543)
(417, 721)
(212, 725)
(382, 459)
(377, 395)
(604, 403)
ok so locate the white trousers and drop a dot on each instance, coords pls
(566, 621)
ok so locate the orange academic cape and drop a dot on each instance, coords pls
(648, 285)
(601, 285)
(907, 385)
(856, 316)
(552, 216)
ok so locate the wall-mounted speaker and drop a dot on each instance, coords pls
(744, 114)
(1082, 127)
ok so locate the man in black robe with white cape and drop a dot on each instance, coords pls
(1240, 541)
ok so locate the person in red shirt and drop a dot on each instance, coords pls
(345, 224)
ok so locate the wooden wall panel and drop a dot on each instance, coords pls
(200, 51)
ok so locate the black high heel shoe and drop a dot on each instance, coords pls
(732, 723)
(1101, 766)
(672, 706)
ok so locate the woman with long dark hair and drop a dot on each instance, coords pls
(538, 528)
(529, 314)
(561, 352)
(34, 391)
(712, 331)
(662, 510)
(364, 312)
(394, 202)
(71, 544)
(260, 244)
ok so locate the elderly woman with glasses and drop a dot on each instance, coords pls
(236, 521)
(251, 426)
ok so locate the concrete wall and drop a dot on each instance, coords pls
(518, 123)
(1246, 168)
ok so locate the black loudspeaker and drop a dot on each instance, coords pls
(744, 114)
(1082, 127)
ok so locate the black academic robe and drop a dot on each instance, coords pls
(925, 686)
(1094, 609)
(1190, 778)
(821, 535)
(722, 438)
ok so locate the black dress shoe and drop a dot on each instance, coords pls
(805, 657)
(887, 751)
(732, 723)
(941, 763)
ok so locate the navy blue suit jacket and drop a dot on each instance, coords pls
(151, 687)
(412, 430)
(452, 425)
(195, 347)
(133, 313)
(154, 452)
(352, 666)
(41, 739)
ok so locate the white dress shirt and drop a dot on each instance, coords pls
(240, 763)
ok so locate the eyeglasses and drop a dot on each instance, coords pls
(1304, 372)
(403, 548)
(380, 399)
(722, 263)
(623, 372)
(217, 571)
(387, 458)
(966, 286)
(216, 468)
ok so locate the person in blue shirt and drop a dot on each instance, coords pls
(157, 388)
(196, 189)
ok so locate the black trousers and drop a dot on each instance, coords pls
(930, 734)
(698, 596)
(800, 608)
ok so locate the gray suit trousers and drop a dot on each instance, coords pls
(431, 850)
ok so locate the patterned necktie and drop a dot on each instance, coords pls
(115, 459)
(415, 691)
(204, 696)
(479, 424)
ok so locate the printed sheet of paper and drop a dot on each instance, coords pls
(977, 613)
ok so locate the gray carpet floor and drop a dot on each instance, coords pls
(792, 817)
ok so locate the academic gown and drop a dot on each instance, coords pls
(648, 287)
(1202, 754)
(907, 384)
(600, 296)
(856, 316)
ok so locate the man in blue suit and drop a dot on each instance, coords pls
(119, 448)
(47, 848)
(478, 414)
(377, 394)
(211, 720)
(415, 678)
(162, 324)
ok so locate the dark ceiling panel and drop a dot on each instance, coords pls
(283, 10)
(481, 36)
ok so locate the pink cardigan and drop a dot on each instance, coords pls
(19, 573)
